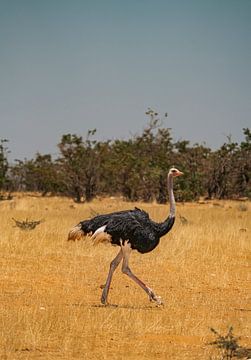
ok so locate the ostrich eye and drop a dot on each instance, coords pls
(173, 171)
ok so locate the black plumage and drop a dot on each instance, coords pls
(135, 226)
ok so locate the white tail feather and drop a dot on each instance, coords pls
(98, 231)
(101, 236)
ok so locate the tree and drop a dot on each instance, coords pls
(194, 160)
(139, 165)
(221, 170)
(79, 164)
(4, 165)
(40, 174)
(242, 183)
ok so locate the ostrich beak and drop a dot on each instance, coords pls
(179, 173)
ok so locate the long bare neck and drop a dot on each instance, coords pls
(171, 195)
(166, 225)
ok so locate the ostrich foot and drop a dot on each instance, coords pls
(104, 298)
(155, 298)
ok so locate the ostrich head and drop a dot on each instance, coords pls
(174, 172)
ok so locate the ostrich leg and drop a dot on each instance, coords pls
(126, 250)
(114, 264)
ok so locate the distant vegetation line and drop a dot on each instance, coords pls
(135, 168)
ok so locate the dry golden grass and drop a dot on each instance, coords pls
(50, 288)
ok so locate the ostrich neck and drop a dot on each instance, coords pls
(171, 195)
(166, 226)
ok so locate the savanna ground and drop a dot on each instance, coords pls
(50, 288)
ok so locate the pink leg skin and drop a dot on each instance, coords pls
(126, 250)
(113, 266)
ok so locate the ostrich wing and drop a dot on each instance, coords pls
(139, 232)
(91, 225)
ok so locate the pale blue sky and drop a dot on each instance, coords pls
(69, 66)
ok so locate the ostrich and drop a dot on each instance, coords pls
(131, 230)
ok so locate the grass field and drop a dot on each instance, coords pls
(50, 288)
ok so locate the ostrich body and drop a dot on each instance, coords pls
(131, 230)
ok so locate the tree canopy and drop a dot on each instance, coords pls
(135, 168)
